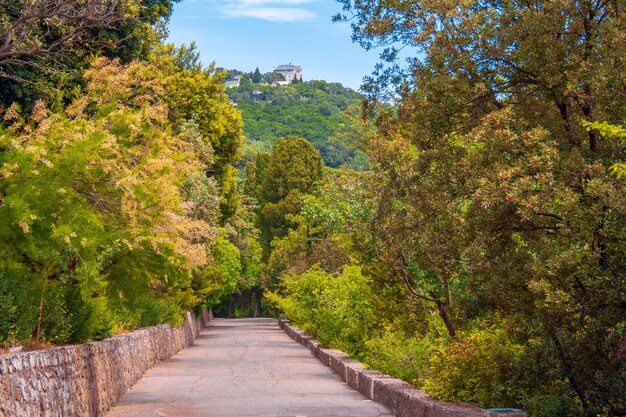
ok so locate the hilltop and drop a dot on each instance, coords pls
(312, 110)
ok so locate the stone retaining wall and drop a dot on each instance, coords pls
(401, 397)
(86, 380)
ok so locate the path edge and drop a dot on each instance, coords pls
(404, 399)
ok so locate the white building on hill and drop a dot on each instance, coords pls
(234, 82)
(290, 72)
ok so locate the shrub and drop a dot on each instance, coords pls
(334, 308)
(475, 368)
(399, 355)
(18, 309)
(159, 310)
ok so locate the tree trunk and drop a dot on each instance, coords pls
(587, 111)
(231, 306)
(569, 131)
(568, 369)
(40, 309)
(442, 307)
(249, 303)
(258, 292)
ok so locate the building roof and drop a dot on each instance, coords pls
(285, 68)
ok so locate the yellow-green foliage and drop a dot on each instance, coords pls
(335, 308)
(107, 217)
(395, 353)
(341, 310)
(193, 93)
(477, 368)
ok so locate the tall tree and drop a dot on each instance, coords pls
(292, 170)
(560, 60)
(294, 165)
(256, 76)
(196, 94)
(494, 180)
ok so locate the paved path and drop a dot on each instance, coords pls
(240, 368)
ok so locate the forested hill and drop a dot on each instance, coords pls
(311, 110)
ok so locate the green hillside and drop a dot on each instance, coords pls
(311, 110)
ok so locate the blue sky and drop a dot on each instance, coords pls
(245, 34)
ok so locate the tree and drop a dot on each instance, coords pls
(561, 61)
(33, 30)
(195, 93)
(493, 189)
(134, 174)
(244, 236)
(294, 165)
(272, 77)
(256, 76)
(322, 231)
(45, 45)
(281, 180)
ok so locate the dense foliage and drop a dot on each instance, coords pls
(108, 218)
(490, 231)
(118, 200)
(46, 45)
(280, 181)
(313, 110)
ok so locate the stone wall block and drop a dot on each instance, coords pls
(353, 368)
(85, 380)
(323, 356)
(504, 412)
(291, 332)
(314, 347)
(366, 382)
(336, 360)
(205, 317)
(414, 402)
(390, 392)
(305, 339)
(296, 332)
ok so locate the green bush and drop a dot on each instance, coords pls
(485, 365)
(334, 308)
(475, 368)
(18, 309)
(159, 310)
(91, 317)
(551, 405)
(396, 354)
(56, 318)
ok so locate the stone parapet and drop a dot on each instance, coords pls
(86, 380)
(399, 396)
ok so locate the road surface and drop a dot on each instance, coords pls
(244, 368)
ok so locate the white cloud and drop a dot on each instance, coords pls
(272, 10)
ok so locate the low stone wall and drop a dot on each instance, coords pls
(86, 380)
(401, 397)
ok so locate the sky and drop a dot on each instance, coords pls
(246, 34)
